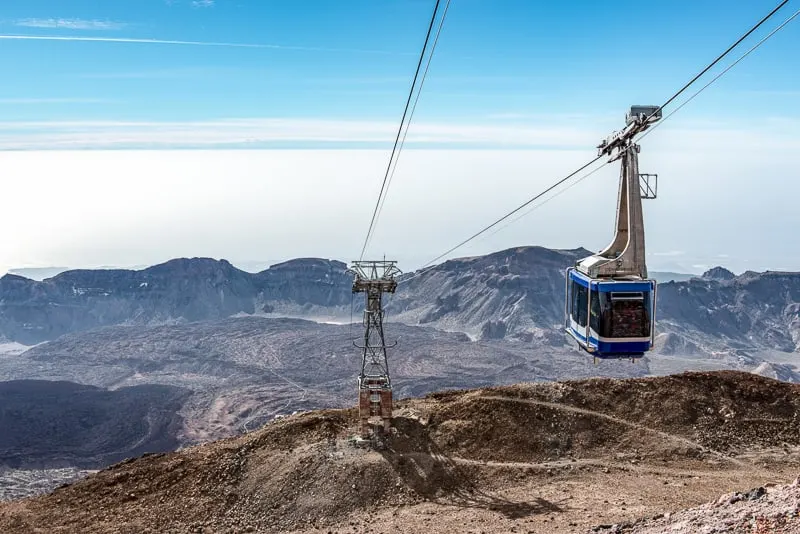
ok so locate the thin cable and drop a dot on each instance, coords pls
(722, 73)
(512, 212)
(686, 86)
(400, 129)
(424, 270)
(413, 109)
(725, 53)
(548, 199)
(719, 58)
(656, 125)
(421, 271)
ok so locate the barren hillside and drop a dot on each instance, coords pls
(557, 457)
(61, 424)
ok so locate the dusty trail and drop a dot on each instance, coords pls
(637, 426)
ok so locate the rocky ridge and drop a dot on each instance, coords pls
(512, 294)
(529, 457)
(180, 290)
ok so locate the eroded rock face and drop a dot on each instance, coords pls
(782, 372)
(306, 281)
(494, 330)
(672, 343)
(751, 310)
(518, 292)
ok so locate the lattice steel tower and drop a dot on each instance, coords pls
(374, 278)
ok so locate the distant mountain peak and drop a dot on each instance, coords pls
(192, 265)
(193, 261)
(523, 254)
(308, 262)
(9, 277)
(718, 273)
(37, 273)
(514, 293)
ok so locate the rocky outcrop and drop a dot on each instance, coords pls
(777, 371)
(718, 273)
(518, 292)
(555, 458)
(672, 343)
(306, 282)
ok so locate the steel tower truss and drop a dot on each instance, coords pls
(374, 278)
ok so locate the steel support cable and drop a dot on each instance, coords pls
(512, 212)
(669, 100)
(411, 115)
(548, 199)
(656, 125)
(425, 269)
(718, 76)
(725, 53)
(719, 58)
(400, 129)
(673, 112)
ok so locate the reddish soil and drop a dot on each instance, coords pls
(550, 458)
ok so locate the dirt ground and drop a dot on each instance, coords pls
(545, 458)
(573, 498)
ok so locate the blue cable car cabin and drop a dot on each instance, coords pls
(610, 318)
(610, 301)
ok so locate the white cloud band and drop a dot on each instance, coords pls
(71, 24)
(33, 135)
(133, 40)
(552, 133)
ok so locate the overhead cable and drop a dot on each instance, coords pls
(583, 167)
(426, 268)
(722, 73)
(400, 129)
(411, 115)
(512, 212)
(725, 53)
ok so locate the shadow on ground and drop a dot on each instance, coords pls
(434, 475)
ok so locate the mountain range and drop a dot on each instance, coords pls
(515, 293)
(236, 349)
(179, 290)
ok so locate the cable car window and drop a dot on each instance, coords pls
(625, 315)
(568, 304)
(573, 303)
(594, 311)
(580, 303)
(573, 310)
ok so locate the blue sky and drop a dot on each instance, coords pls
(546, 79)
(497, 61)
